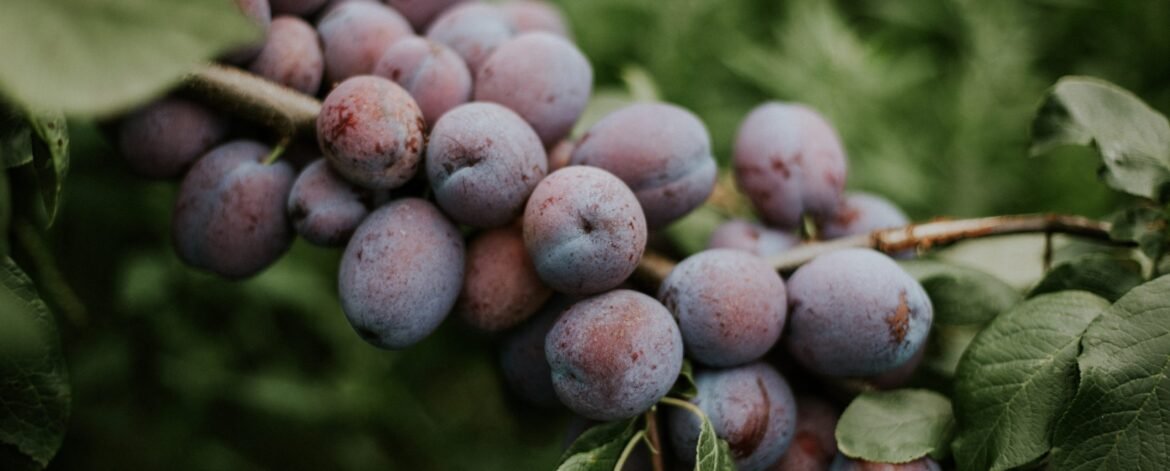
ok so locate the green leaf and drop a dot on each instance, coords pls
(896, 426)
(1132, 138)
(1016, 378)
(1118, 418)
(1146, 225)
(685, 386)
(1105, 275)
(50, 157)
(961, 295)
(711, 452)
(599, 447)
(89, 57)
(34, 390)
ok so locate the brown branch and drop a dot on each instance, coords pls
(240, 93)
(922, 237)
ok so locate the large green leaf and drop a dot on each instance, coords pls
(896, 426)
(88, 57)
(599, 448)
(1132, 138)
(961, 295)
(1017, 376)
(34, 390)
(1105, 275)
(1118, 418)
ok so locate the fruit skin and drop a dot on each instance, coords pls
(614, 355)
(750, 406)
(752, 238)
(500, 285)
(584, 230)
(541, 76)
(401, 273)
(855, 312)
(291, 56)
(814, 443)
(529, 15)
(371, 131)
(522, 357)
(483, 161)
(421, 12)
(789, 161)
(296, 7)
(434, 75)
(229, 216)
(163, 138)
(473, 30)
(662, 151)
(324, 208)
(354, 35)
(729, 304)
(844, 463)
(862, 213)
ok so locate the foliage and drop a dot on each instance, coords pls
(95, 58)
(1117, 419)
(896, 426)
(1015, 378)
(34, 389)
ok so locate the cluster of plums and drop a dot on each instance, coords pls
(424, 139)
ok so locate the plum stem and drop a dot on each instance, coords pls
(673, 401)
(621, 462)
(653, 439)
(243, 94)
(924, 236)
(278, 150)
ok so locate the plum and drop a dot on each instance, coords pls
(614, 355)
(855, 313)
(354, 35)
(541, 76)
(291, 56)
(483, 161)
(434, 75)
(163, 138)
(789, 162)
(473, 30)
(500, 285)
(324, 208)
(229, 217)
(584, 230)
(730, 306)
(371, 131)
(750, 406)
(401, 273)
(522, 356)
(662, 151)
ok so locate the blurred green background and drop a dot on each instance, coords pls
(174, 369)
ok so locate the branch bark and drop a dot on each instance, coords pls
(240, 93)
(925, 236)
